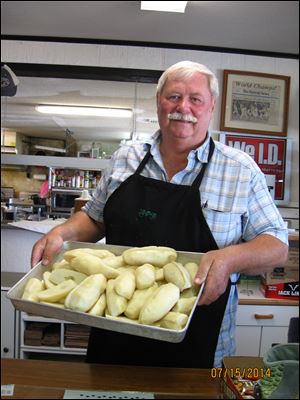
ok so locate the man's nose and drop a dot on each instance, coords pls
(183, 105)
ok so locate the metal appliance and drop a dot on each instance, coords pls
(62, 201)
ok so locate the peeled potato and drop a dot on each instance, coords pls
(86, 294)
(99, 307)
(91, 265)
(54, 294)
(191, 292)
(137, 301)
(159, 304)
(62, 274)
(159, 274)
(32, 288)
(175, 273)
(100, 253)
(173, 320)
(154, 255)
(125, 284)
(116, 304)
(145, 276)
(192, 269)
(114, 261)
(185, 305)
(61, 264)
(47, 282)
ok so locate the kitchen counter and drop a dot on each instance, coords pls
(17, 240)
(42, 226)
(36, 379)
(251, 294)
(9, 279)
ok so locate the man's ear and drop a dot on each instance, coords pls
(213, 105)
(157, 99)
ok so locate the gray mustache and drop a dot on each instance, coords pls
(182, 117)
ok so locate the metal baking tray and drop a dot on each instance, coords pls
(153, 332)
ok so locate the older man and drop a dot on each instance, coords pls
(184, 191)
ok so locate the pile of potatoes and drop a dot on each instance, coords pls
(144, 285)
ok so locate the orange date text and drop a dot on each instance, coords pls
(240, 373)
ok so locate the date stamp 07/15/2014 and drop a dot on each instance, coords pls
(242, 373)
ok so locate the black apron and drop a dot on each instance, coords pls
(142, 212)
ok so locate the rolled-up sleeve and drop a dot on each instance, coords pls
(263, 216)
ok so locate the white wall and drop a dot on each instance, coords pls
(159, 59)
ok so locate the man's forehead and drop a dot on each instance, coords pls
(196, 82)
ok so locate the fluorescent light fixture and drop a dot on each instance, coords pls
(169, 6)
(37, 146)
(85, 111)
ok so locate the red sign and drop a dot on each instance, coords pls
(269, 154)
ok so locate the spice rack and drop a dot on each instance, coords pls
(73, 178)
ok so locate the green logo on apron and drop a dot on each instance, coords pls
(147, 214)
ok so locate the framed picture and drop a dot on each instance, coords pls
(272, 155)
(254, 102)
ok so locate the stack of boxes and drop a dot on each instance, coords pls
(283, 282)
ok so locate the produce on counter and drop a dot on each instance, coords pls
(144, 285)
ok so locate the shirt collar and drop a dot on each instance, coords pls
(200, 152)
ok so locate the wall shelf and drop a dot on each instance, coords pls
(26, 350)
(96, 164)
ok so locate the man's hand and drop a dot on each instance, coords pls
(46, 248)
(259, 255)
(215, 272)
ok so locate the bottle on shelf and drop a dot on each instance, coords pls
(77, 180)
(86, 179)
(73, 181)
(53, 178)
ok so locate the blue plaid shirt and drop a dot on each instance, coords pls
(235, 202)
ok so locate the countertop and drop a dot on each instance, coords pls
(9, 279)
(42, 226)
(251, 294)
(36, 379)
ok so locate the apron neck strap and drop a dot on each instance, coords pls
(198, 179)
(143, 163)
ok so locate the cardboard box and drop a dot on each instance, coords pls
(238, 373)
(285, 291)
(283, 282)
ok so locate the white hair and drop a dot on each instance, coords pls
(185, 70)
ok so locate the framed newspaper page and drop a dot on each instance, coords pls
(255, 102)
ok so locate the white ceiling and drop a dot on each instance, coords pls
(249, 25)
